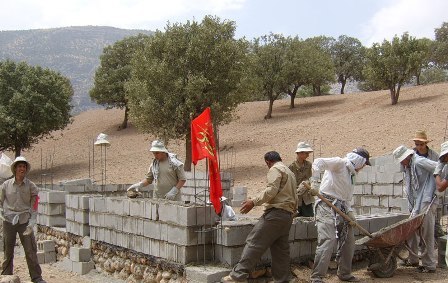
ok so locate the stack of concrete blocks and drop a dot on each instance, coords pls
(46, 251)
(379, 188)
(51, 209)
(196, 189)
(168, 230)
(79, 260)
(231, 237)
(77, 214)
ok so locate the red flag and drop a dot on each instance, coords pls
(203, 146)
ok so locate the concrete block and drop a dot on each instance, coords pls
(82, 267)
(358, 189)
(80, 254)
(137, 208)
(151, 229)
(51, 208)
(50, 257)
(206, 274)
(367, 189)
(82, 216)
(70, 213)
(98, 204)
(51, 221)
(367, 201)
(83, 202)
(383, 190)
(233, 233)
(46, 246)
(384, 201)
(129, 224)
(301, 227)
(376, 210)
(398, 190)
(75, 189)
(228, 255)
(86, 242)
(96, 219)
(311, 230)
(56, 197)
(361, 177)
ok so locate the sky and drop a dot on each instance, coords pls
(370, 21)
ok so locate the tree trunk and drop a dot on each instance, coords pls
(269, 114)
(187, 164)
(393, 95)
(343, 83)
(418, 78)
(17, 150)
(124, 125)
(292, 95)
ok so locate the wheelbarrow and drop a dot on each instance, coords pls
(386, 244)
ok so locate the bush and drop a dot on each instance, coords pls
(433, 75)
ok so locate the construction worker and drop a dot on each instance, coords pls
(332, 228)
(420, 189)
(18, 210)
(302, 170)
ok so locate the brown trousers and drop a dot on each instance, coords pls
(29, 245)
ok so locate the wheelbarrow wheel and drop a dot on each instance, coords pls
(381, 269)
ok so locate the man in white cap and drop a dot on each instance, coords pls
(18, 210)
(302, 170)
(166, 172)
(337, 187)
(441, 175)
(420, 189)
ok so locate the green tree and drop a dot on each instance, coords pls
(422, 57)
(114, 71)
(392, 64)
(320, 67)
(182, 71)
(440, 50)
(33, 103)
(268, 68)
(348, 56)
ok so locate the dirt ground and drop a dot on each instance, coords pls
(55, 273)
(333, 125)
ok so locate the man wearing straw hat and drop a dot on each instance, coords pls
(332, 228)
(166, 172)
(420, 189)
(18, 210)
(302, 170)
(441, 175)
(421, 146)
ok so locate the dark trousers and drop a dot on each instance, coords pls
(271, 231)
(29, 245)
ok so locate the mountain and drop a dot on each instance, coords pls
(73, 51)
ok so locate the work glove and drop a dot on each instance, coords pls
(302, 187)
(31, 224)
(351, 215)
(135, 187)
(171, 195)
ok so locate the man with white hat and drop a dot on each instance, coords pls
(441, 175)
(332, 228)
(166, 172)
(18, 210)
(420, 189)
(302, 170)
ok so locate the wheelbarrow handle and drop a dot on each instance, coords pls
(338, 211)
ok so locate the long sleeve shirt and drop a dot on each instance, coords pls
(281, 189)
(420, 182)
(337, 179)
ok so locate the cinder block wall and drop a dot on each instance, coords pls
(379, 188)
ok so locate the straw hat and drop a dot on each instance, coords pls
(303, 147)
(420, 135)
(443, 149)
(17, 160)
(102, 140)
(401, 152)
(158, 146)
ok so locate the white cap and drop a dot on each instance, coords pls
(401, 152)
